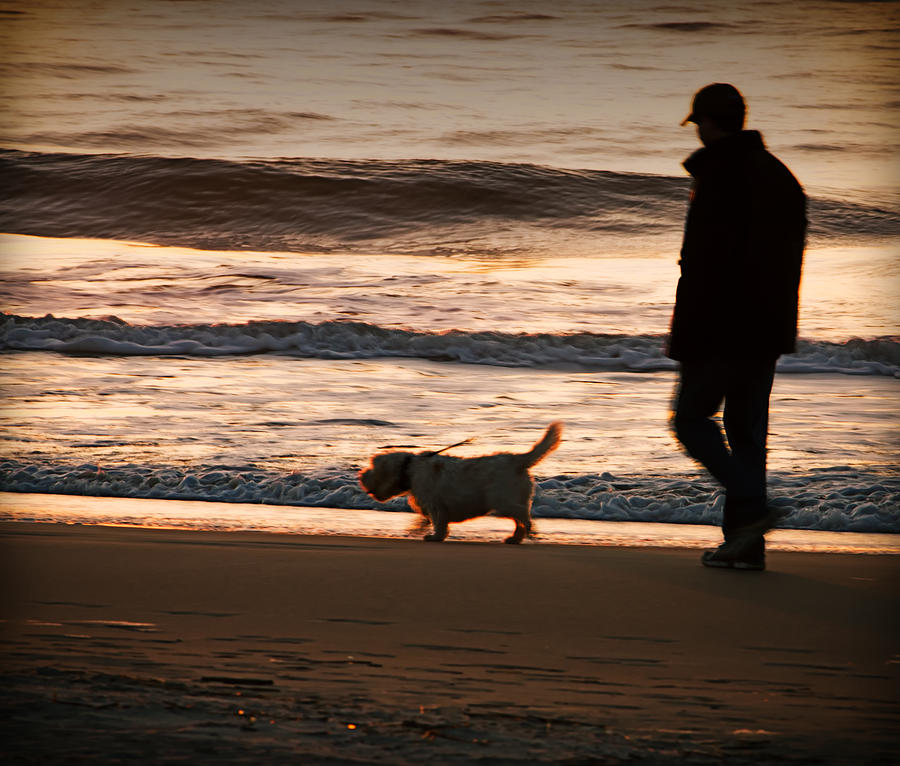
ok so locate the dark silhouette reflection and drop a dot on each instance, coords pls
(735, 311)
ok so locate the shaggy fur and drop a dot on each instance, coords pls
(447, 489)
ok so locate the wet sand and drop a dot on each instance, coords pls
(126, 645)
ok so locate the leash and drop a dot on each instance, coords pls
(404, 467)
(458, 444)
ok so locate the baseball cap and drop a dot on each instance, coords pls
(717, 100)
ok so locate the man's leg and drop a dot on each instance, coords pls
(741, 465)
(746, 420)
(701, 390)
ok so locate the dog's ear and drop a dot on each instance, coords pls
(396, 469)
(388, 476)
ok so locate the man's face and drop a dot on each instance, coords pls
(708, 131)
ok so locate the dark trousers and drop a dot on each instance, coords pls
(740, 465)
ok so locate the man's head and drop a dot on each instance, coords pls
(718, 110)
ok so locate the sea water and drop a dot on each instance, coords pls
(248, 249)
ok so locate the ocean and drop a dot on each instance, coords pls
(247, 246)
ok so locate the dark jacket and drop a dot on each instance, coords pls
(741, 256)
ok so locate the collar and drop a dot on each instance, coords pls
(732, 146)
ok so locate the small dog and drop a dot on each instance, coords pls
(444, 488)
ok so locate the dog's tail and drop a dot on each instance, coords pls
(548, 443)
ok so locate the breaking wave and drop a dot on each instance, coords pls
(839, 499)
(310, 205)
(359, 340)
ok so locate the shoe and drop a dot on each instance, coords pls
(727, 557)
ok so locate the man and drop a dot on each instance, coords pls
(735, 311)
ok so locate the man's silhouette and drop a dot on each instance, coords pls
(735, 311)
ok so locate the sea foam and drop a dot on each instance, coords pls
(839, 499)
(359, 340)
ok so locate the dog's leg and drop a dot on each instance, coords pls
(529, 527)
(419, 525)
(439, 523)
(519, 534)
(520, 513)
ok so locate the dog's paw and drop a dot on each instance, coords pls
(513, 540)
(432, 538)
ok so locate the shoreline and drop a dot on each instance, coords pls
(247, 647)
(214, 516)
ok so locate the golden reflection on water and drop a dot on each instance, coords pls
(846, 291)
(307, 414)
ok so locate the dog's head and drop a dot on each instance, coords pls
(388, 476)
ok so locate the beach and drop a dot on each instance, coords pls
(127, 645)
